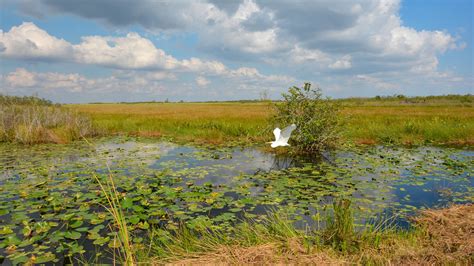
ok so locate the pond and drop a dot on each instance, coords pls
(51, 205)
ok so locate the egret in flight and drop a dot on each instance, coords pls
(282, 136)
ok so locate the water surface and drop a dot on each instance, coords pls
(51, 204)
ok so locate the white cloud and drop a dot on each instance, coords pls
(130, 85)
(337, 43)
(202, 81)
(130, 52)
(27, 41)
(200, 66)
(376, 82)
(343, 63)
(301, 55)
(21, 78)
(48, 81)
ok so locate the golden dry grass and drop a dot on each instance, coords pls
(444, 237)
(221, 122)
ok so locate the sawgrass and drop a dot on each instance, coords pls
(439, 121)
(30, 120)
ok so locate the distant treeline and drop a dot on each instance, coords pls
(415, 99)
(398, 98)
(451, 99)
(24, 100)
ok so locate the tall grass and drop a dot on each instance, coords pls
(275, 240)
(31, 120)
(122, 239)
(339, 232)
(248, 122)
(185, 241)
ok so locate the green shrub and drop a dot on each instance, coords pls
(317, 119)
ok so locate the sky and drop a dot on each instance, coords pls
(152, 50)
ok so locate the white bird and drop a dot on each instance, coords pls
(282, 137)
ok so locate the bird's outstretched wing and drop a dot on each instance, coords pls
(276, 132)
(286, 133)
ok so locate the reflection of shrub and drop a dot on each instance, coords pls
(33, 120)
(317, 120)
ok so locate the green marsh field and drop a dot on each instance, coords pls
(418, 121)
(195, 183)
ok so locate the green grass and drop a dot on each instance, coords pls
(411, 124)
(436, 121)
(276, 240)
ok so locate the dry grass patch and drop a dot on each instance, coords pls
(450, 234)
(266, 254)
(442, 237)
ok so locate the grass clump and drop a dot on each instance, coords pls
(339, 232)
(275, 240)
(30, 120)
(317, 119)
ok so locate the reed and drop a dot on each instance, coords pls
(30, 120)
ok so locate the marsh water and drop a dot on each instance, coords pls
(51, 205)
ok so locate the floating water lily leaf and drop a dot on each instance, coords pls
(127, 203)
(143, 225)
(47, 257)
(19, 258)
(76, 224)
(6, 230)
(114, 243)
(134, 219)
(101, 241)
(72, 235)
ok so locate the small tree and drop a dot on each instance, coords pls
(317, 119)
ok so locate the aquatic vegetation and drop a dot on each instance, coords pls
(53, 208)
(443, 243)
(121, 241)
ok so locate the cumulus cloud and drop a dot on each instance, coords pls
(343, 63)
(342, 43)
(202, 81)
(132, 52)
(24, 79)
(376, 82)
(200, 66)
(21, 78)
(369, 31)
(27, 41)
(133, 85)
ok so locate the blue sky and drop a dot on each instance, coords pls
(123, 50)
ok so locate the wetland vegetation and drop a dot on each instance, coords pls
(441, 120)
(30, 120)
(166, 189)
